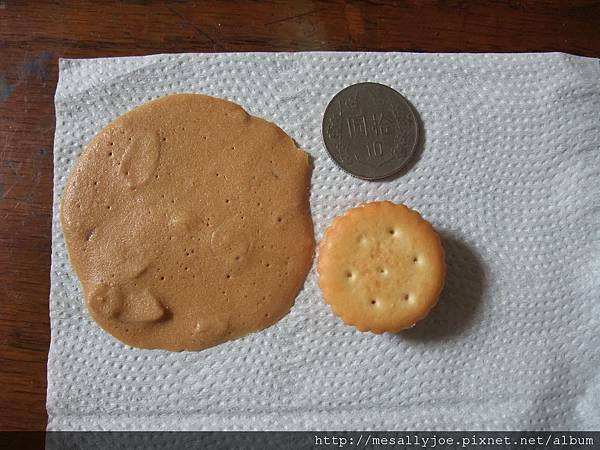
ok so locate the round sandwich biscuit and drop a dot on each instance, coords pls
(381, 267)
(188, 224)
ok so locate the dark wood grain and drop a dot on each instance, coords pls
(34, 34)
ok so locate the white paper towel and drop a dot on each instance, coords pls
(508, 172)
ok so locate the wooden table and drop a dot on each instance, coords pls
(34, 34)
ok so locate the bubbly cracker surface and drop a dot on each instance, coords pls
(187, 222)
(381, 267)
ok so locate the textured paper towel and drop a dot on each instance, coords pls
(508, 171)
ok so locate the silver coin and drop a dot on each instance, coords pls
(370, 130)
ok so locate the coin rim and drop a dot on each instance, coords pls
(410, 153)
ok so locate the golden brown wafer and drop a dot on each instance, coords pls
(187, 222)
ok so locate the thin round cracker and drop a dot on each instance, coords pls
(381, 267)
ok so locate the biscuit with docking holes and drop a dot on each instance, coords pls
(381, 267)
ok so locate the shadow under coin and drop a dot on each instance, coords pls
(460, 298)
